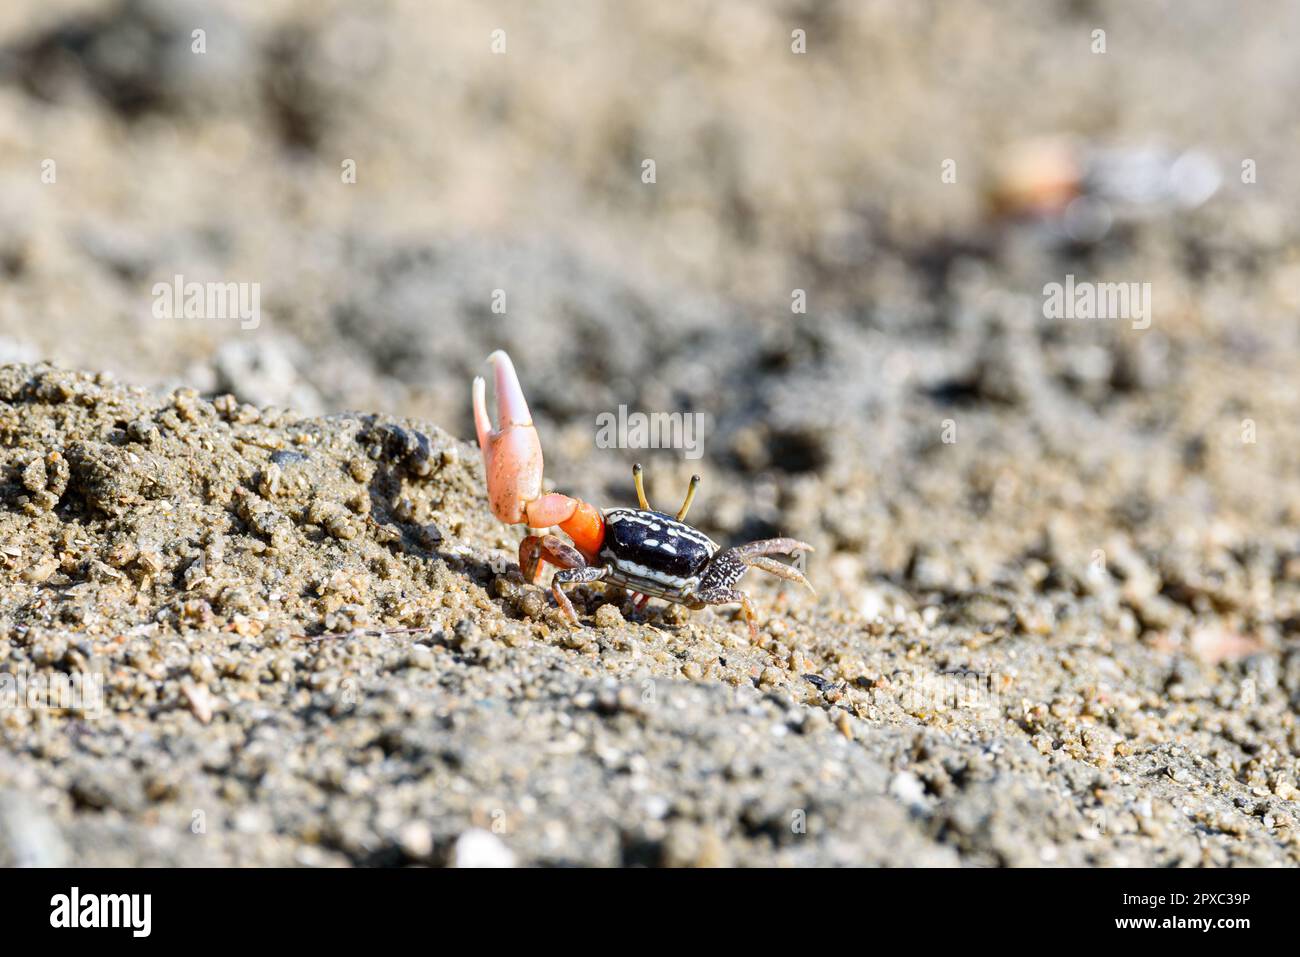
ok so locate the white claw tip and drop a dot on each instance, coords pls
(512, 407)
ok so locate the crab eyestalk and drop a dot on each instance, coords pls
(512, 459)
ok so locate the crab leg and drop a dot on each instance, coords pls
(727, 595)
(771, 546)
(718, 586)
(573, 567)
(781, 570)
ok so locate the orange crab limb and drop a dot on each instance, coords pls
(586, 527)
(550, 509)
(512, 452)
(581, 522)
(512, 458)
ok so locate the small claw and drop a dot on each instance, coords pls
(512, 452)
(530, 558)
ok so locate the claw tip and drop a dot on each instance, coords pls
(512, 407)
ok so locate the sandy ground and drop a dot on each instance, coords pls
(1058, 560)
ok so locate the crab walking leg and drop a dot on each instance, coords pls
(567, 576)
(727, 567)
(781, 570)
(726, 595)
(771, 546)
(573, 567)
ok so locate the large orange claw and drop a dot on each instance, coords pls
(512, 458)
(512, 452)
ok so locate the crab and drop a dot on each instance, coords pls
(650, 553)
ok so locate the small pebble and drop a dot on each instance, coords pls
(479, 848)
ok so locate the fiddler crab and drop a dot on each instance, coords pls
(647, 552)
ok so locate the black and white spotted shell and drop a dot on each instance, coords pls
(654, 551)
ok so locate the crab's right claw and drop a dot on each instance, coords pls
(512, 452)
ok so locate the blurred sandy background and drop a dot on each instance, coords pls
(521, 171)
